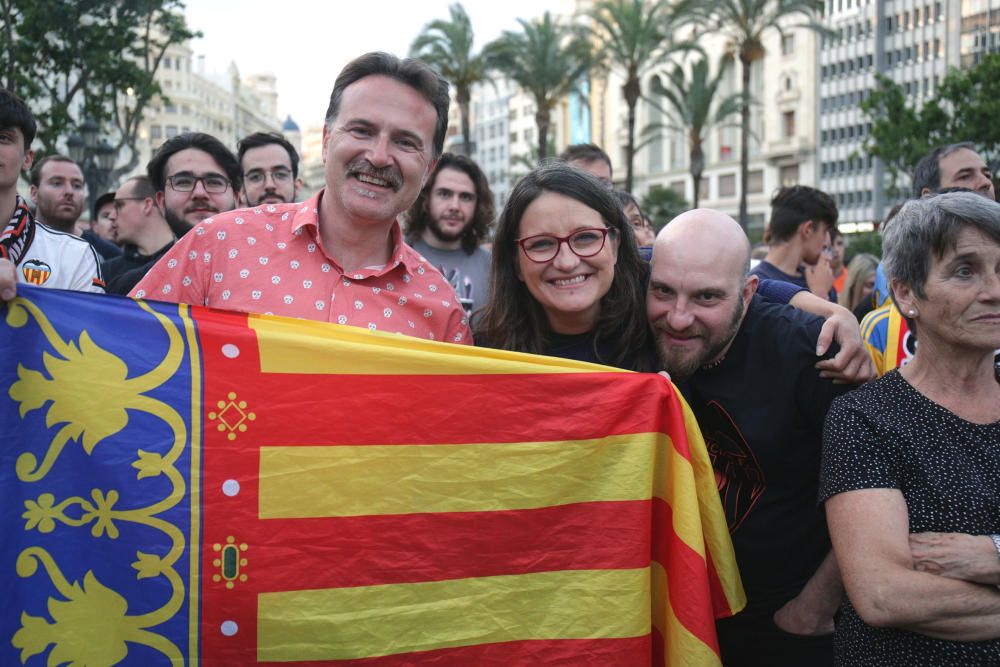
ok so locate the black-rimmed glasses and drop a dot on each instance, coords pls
(585, 242)
(278, 175)
(186, 183)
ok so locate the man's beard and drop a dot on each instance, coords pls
(681, 367)
(178, 225)
(52, 218)
(268, 193)
(442, 235)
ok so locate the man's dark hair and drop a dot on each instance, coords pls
(482, 219)
(35, 176)
(585, 153)
(143, 187)
(101, 202)
(927, 173)
(414, 73)
(793, 205)
(157, 167)
(258, 139)
(15, 113)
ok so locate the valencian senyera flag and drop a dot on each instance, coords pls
(186, 486)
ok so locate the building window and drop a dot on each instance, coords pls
(755, 181)
(727, 185)
(155, 132)
(678, 187)
(703, 188)
(788, 44)
(788, 124)
(171, 131)
(789, 175)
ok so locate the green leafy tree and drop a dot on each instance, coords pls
(663, 205)
(693, 106)
(633, 37)
(447, 46)
(99, 56)
(964, 108)
(973, 96)
(900, 133)
(546, 59)
(745, 23)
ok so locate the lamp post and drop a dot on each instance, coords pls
(96, 158)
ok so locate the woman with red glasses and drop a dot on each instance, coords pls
(567, 279)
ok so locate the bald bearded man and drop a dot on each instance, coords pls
(747, 368)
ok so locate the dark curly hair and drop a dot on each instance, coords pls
(477, 231)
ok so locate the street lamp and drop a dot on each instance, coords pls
(95, 156)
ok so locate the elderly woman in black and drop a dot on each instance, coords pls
(911, 466)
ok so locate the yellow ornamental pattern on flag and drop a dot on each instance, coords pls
(572, 604)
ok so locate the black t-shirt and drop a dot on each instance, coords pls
(887, 435)
(129, 278)
(128, 260)
(580, 347)
(761, 411)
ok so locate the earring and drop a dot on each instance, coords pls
(912, 313)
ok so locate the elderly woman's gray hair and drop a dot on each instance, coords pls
(930, 227)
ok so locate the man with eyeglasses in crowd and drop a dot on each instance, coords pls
(195, 177)
(270, 166)
(340, 256)
(140, 227)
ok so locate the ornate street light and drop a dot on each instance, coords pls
(95, 156)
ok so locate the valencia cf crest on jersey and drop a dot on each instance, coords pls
(36, 271)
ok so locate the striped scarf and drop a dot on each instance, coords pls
(16, 236)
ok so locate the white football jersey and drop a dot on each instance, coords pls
(60, 260)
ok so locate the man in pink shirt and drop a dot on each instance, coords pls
(339, 256)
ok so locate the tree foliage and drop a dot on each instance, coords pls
(965, 107)
(634, 36)
(693, 105)
(662, 205)
(745, 23)
(447, 47)
(900, 133)
(70, 59)
(547, 59)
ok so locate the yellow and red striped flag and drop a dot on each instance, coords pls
(205, 487)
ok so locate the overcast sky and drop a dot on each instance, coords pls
(305, 44)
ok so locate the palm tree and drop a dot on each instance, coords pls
(745, 23)
(633, 36)
(447, 46)
(546, 59)
(694, 106)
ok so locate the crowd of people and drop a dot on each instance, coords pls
(864, 513)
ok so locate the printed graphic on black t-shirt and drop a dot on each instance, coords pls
(737, 472)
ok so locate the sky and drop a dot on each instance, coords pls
(305, 44)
